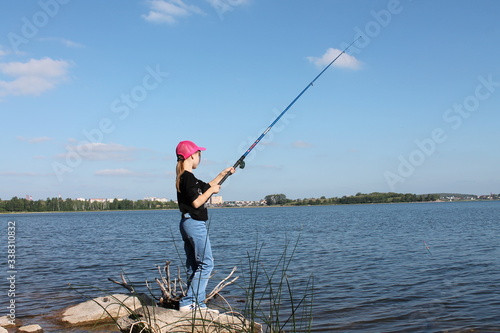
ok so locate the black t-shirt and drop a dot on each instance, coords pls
(190, 188)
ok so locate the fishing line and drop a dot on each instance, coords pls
(240, 162)
(428, 248)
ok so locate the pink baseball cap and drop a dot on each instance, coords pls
(187, 148)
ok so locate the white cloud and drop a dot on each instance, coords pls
(100, 151)
(114, 172)
(33, 77)
(21, 174)
(34, 140)
(107, 147)
(65, 42)
(45, 67)
(125, 173)
(301, 144)
(345, 60)
(169, 11)
(223, 6)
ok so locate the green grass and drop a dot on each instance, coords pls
(273, 298)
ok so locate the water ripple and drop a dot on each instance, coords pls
(376, 268)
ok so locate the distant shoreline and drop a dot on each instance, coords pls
(228, 207)
(89, 211)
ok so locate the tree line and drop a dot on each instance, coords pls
(359, 198)
(70, 205)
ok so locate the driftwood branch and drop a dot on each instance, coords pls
(179, 278)
(169, 298)
(173, 290)
(218, 288)
(150, 290)
(124, 283)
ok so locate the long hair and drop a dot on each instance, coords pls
(179, 169)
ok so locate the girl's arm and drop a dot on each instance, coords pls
(202, 198)
(214, 188)
(221, 175)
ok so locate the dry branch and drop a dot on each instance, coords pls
(170, 296)
(218, 288)
(124, 283)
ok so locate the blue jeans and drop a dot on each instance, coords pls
(199, 261)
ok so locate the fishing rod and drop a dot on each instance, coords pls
(240, 162)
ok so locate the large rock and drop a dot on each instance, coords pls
(31, 329)
(6, 321)
(101, 309)
(3, 330)
(164, 320)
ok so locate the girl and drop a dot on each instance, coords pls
(192, 194)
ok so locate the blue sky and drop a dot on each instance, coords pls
(95, 95)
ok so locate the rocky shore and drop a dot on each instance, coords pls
(126, 313)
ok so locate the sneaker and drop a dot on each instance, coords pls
(208, 310)
(189, 307)
(193, 307)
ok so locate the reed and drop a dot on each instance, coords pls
(274, 301)
(272, 298)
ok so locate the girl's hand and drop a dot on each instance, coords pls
(215, 188)
(221, 175)
(230, 169)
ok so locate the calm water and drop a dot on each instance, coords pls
(432, 267)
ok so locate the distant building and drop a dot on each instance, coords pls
(98, 199)
(102, 200)
(216, 200)
(244, 203)
(156, 199)
(29, 197)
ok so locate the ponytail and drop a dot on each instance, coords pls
(179, 170)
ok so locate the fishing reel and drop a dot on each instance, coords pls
(240, 163)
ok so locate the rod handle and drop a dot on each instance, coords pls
(239, 163)
(226, 176)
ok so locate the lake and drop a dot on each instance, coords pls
(418, 267)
